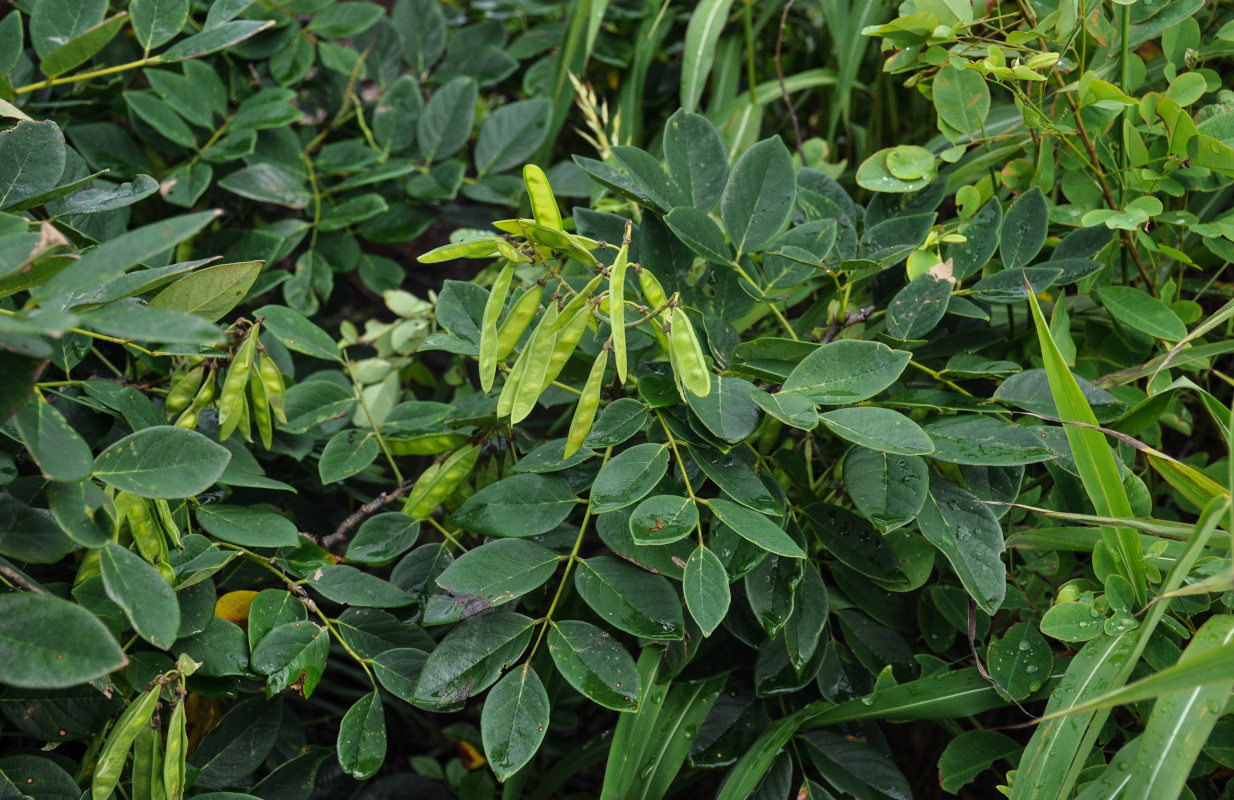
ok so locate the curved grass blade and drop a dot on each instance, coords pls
(1093, 459)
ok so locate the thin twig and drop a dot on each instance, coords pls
(784, 89)
(21, 580)
(364, 512)
(860, 315)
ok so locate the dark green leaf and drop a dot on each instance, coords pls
(1020, 660)
(527, 504)
(49, 643)
(878, 429)
(696, 157)
(705, 586)
(62, 454)
(383, 538)
(140, 590)
(156, 22)
(344, 584)
(984, 440)
(755, 527)
(728, 410)
(629, 598)
(847, 371)
(595, 664)
(362, 738)
(511, 134)
(889, 490)
(663, 518)
(497, 572)
(628, 477)
(470, 658)
(445, 123)
(971, 753)
(759, 195)
(966, 531)
(247, 526)
(162, 462)
(1024, 229)
(31, 160)
(514, 720)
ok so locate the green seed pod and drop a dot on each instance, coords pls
(652, 289)
(588, 403)
(439, 481)
(617, 305)
(488, 327)
(687, 355)
(261, 405)
(520, 316)
(232, 407)
(183, 390)
(174, 756)
(536, 354)
(116, 750)
(276, 390)
(563, 346)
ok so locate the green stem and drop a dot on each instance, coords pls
(85, 76)
(672, 440)
(565, 576)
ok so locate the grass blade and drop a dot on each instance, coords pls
(684, 710)
(1093, 459)
(634, 731)
(702, 33)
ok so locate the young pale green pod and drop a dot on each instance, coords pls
(439, 481)
(276, 390)
(183, 390)
(687, 355)
(552, 238)
(146, 532)
(116, 749)
(174, 754)
(511, 253)
(520, 316)
(543, 203)
(231, 402)
(147, 768)
(471, 248)
(576, 302)
(536, 356)
(188, 420)
(563, 346)
(617, 304)
(588, 403)
(488, 327)
(652, 289)
(162, 510)
(261, 405)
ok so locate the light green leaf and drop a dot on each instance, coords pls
(211, 292)
(82, 47)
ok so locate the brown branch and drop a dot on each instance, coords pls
(21, 580)
(784, 89)
(861, 315)
(364, 512)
